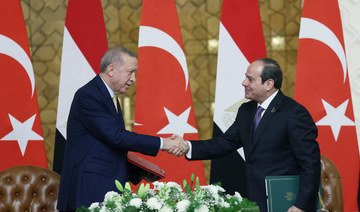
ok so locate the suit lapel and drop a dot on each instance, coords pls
(108, 100)
(265, 121)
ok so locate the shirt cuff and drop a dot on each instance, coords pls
(161, 143)
(188, 154)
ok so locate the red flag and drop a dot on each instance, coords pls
(322, 86)
(163, 98)
(241, 42)
(84, 45)
(21, 140)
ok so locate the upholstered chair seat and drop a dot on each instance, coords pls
(28, 189)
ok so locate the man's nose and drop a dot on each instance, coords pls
(133, 77)
(244, 82)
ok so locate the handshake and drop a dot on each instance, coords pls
(175, 145)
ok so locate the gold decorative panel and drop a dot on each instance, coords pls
(199, 20)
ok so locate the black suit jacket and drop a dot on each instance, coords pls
(97, 147)
(284, 144)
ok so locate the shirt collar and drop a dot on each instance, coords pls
(267, 102)
(111, 92)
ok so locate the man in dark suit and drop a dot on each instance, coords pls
(97, 141)
(282, 144)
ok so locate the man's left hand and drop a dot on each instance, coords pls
(295, 209)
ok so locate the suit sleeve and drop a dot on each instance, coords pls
(302, 133)
(99, 120)
(219, 146)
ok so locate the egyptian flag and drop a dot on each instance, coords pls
(322, 86)
(84, 45)
(163, 97)
(241, 41)
(21, 141)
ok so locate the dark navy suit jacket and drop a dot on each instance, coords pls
(284, 144)
(97, 147)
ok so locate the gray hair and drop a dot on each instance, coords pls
(114, 55)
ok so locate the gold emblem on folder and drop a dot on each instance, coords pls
(290, 196)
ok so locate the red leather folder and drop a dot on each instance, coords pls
(143, 168)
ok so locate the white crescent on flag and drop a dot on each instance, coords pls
(313, 29)
(324, 89)
(150, 36)
(14, 50)
(163, 103)
(21, 137)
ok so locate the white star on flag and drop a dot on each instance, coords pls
(335, 118)
(22, 132)
(177, 124)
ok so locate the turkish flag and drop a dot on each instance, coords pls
(84, 45)
(322, 86)
(21, 141)
(163, 97)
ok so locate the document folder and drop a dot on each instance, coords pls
(282, 192)
(143, 169)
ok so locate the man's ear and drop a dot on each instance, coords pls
(269, 84)
(110, 70)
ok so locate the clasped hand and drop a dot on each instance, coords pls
(175, 145)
